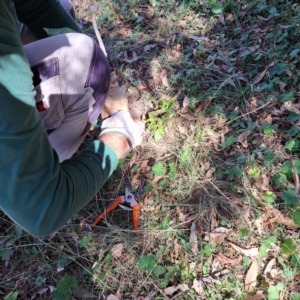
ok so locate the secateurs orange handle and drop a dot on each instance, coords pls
(128, 202)
(109, 209)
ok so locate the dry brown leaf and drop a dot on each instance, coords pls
(262, 18)
(186, 101)
(117, 250)
(112, 297)
(40, 291)
(279, 218)
(148, 47)
(172, 289)
(264, 182)
(210, 172)
(207, 166)
(251, 277)
(165, 81)
(258, 224)
(221, 18)
(230, 17)
(243, 138)
(188, 117)
(248, 252)
(199, 38)
(197, 286)
(81, 293)
(217, 235)
(127, 59)
(270, 271)
(256, 297)
(260, 76)
(224, 260)
(194, 239)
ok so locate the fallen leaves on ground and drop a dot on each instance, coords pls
(257, 296)
(194, 239)
(83, 294)
(117, 250)
(172, 289)
(224, 260)
(197, 286)
(270, 271)
(112, 297)
(130, 60)
(217, 235)
(252, 252)
(251, 277)
(243, 138)
(278, 218)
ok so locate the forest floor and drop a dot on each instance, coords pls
(217, 84)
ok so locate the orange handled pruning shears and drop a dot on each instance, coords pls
(128, 202)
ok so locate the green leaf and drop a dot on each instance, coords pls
(235, 172)
(243, 232)
(290, 197)
(294, 117)
(85, 241)
(292, 145)
(207, 249)
(12, 296)
(65, 284)
(294, 53)
(246, 261)
(159, 170)
(288, 169)
(269, 197)
(228, 142)
(288, 96)
(254, 173)
(62, 262)
(159, 270)
(172, 173)
(165, 223)
(288, 246)
(158, 134)
(146, 262)
(268, 129)
(5, 253)
(296, 217)
(293, 131)
(39, 280)
(295, 297)
(56, 295)
(263, 250)
(295, 261)
(274, 290)
(278, 69)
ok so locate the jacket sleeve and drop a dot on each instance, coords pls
(37, 192)
(40, 14)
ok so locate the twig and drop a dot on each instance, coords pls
(220, 191)
(297, 184)
(161, 291)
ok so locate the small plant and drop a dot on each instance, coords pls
(65, 288)
(159, 119)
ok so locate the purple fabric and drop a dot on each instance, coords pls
(45, 70)
(99, 80)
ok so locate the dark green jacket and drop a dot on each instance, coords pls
(37, 192)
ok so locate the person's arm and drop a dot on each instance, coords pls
(40, 14)
(37, 192)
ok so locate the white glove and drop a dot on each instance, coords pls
(120, 122)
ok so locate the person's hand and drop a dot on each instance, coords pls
(116, 98)
(122, 124)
